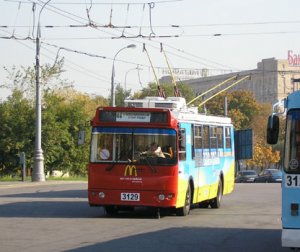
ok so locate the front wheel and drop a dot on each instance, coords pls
(216, 202)
(185, 210)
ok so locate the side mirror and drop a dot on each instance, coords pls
(81, 137)
(273, 129)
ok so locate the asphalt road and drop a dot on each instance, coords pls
(55, 216)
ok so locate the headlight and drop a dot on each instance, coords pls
(101, 195)
(161, 197)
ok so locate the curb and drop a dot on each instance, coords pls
(7, 185)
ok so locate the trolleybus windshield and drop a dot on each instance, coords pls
(139, 145)
(292, 151)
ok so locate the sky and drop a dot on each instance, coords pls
(187, 35)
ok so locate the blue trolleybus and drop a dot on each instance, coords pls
(289, 107)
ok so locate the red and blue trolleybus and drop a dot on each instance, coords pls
(193, 162)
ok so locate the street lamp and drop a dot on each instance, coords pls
(38, 174)
(112, 100)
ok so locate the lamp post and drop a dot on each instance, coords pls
(113, 98)
(38, 174)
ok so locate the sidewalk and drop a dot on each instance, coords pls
(16, 184)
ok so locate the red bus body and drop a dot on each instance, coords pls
(111, 179)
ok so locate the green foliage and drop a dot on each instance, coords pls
(23, 79)
(63, 118)
(242, 107)
(120, 95)
(16, 132)
(65, 112)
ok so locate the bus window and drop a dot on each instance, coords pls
(182, 144)
(144, 151)
(123, 147)
(228, 137)
(220, 137)
(213, 137)
(101, 148)
(112, 144)
(198, 137)
(206, 137)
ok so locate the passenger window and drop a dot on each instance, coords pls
(182, 144)
(228, 137)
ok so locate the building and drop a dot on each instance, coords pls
(271, 81)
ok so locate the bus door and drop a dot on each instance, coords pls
(291, 178)
(186, 164)
(185, 148)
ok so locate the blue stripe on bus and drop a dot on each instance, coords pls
(134, 130)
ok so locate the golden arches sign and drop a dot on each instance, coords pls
(130, 170)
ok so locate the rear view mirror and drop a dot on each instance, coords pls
(81, 137)
(273, 129)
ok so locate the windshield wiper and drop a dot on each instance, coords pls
(124, 152)
(153, 169)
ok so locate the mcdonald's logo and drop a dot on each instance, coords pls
(130, 170)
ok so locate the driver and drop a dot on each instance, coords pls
(155, 150)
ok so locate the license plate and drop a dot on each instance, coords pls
(130, 196)
(292, 180)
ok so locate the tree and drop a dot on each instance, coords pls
(64, 117)
(65, 113)
(263, 157)
(23, 79)
(16, 132)
(121, 95)
(242, 107)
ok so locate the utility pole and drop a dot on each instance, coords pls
(38, 173)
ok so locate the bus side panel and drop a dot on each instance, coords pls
(202, 187)
(290, 195)
(290, 219)
(229, 168)
(182, 187)
(205, 177)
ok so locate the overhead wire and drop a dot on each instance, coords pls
(192, 25)
(83, 21)
(50, 5)
(69, 63)
(102, 3)
(57, 9)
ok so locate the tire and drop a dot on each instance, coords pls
(185, 210)
(216, 202)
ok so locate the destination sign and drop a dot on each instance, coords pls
(133, 116)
